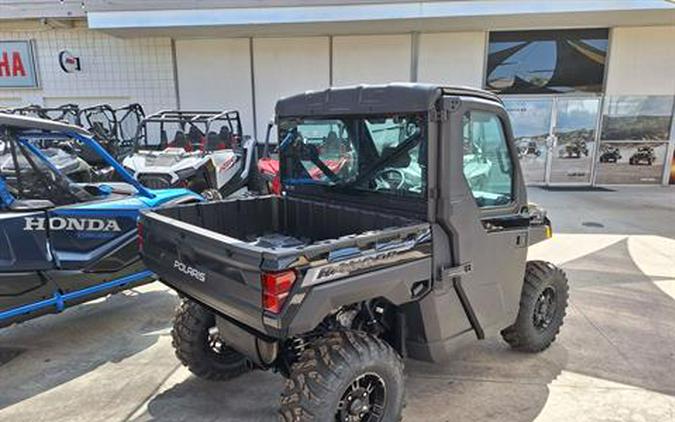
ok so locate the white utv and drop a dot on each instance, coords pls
(204, 151)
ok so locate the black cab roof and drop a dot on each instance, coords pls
(370, 99)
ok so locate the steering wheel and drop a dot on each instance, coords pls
(389, 179)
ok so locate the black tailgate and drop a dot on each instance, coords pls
(217, 270)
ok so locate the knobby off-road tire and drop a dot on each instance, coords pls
(197, 346)
(347, 376)
(543, 304)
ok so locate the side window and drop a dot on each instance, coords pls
(487, 164)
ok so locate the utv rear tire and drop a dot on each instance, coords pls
(197, 346)
(342, 372)
(543, 303)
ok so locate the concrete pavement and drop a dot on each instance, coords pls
(614, 360)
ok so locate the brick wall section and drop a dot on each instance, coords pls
(114, 70)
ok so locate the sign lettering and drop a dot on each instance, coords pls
(17, 65)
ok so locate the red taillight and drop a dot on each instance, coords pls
(275, 289)
(139, 226)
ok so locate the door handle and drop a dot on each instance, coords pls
(521, 240)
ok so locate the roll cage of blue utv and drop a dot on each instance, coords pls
(77, 243)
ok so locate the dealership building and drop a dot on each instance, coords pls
(589, 85)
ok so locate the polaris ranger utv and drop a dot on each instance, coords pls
(204, 151)
(397, 254)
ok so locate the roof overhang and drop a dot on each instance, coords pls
(458, 15)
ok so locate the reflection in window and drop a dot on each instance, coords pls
(487, 163)
(538, 62)
(637, 118)
(376, 154)
(631, 162)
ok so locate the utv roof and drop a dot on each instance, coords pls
(191, 115)
(33, 123)
(368, 99)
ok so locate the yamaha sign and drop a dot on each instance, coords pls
(17, 65)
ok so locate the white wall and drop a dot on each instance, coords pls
(371, 59)
(642, 61)
(113, 70)
(452, 58)
(287, 66)
(216, 75)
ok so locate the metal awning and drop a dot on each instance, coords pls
(383, 18)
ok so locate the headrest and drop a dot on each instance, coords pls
(179, 139)
(194, 134)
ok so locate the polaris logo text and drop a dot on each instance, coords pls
(73, 224)
(188, 270)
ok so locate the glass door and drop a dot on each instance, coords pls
(531, 120)
(574, 126)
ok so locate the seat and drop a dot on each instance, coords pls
(195, 138)
(213, 142)
(180, 141)
(332, 143)
(226, 137)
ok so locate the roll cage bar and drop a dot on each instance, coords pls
(198, 119)
(115, 118)
(19, 132)
(69, 113)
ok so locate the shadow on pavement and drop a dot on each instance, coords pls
(251, 397)
(619, 328)
(63, 347)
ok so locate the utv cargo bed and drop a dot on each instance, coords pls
(216, 252)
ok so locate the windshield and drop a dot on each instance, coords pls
(384, 154)
(190, 133)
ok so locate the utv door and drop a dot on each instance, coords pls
(480, 210)
(24, 254)
(92, 245)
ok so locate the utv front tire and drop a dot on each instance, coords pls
(543, 304)
(345, 376)
(197, 345)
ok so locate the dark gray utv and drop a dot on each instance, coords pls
(402, 232)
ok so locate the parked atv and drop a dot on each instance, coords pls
(62, 242)
(204, 151)
(115, 128)
(528, 147)
(574, 149)
(58, 150)
(610, 154)
(643, 156)
(347, 272)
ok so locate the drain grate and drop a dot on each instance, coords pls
(592, 224)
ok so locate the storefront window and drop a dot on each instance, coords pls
(541, 62)
(637, 118)
(631, 162)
